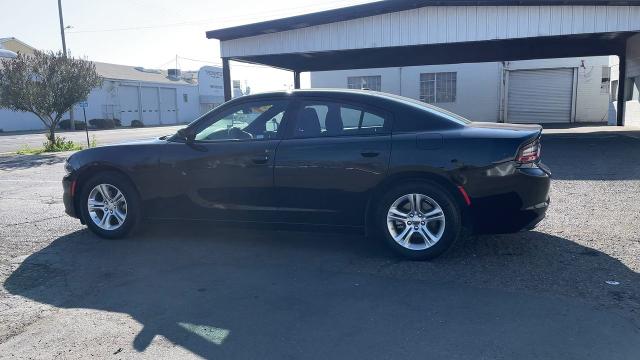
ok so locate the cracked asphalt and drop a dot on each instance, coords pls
(185, 290)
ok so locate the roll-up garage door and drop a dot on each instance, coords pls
(150, 106)
(540, 96)
(168, 113)
(129, 105)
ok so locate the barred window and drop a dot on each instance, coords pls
(438, 87)
(365, 82)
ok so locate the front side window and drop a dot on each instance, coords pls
(248, 121)
(365, 82)
(334, 119)
(438, 87)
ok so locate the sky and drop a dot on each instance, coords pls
(150, 33)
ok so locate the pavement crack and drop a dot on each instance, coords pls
(33, 221)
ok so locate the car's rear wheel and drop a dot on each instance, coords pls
(109, 204)
(419, 220)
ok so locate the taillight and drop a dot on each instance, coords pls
(529, 152)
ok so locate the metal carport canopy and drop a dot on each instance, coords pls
(423, 32)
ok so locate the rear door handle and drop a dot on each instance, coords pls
(260, 160)
(370, 154)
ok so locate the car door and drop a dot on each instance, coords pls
(226, 172)
(335, 153)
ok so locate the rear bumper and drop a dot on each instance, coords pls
(521, 204)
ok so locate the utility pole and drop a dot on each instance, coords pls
(72, 124)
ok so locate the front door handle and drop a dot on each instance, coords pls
(370, 153)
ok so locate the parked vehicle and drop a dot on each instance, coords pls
(412, 174)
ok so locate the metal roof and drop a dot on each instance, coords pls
(132, 73)
(382, 7)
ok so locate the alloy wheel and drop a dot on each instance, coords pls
(415, 221)
(107, 206)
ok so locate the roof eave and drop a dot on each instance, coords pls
(377, 8)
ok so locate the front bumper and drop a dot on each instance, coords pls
(68, 196)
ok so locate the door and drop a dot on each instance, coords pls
(334, 155)
(226, 173)
(150, 106)
(168, 113)
(129, 105)
(540, 96)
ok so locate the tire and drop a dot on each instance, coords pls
(431, 231)
(116, 225)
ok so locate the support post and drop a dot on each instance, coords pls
(226, 79)
(621, 86)
(296, 79)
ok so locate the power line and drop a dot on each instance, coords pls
(226, 20)
(220, 64)
(166, 62)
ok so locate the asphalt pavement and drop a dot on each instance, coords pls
(570, 289)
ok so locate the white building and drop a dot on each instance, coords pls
(533, 91)
(155, 97)
(502, 55)
(210, 87)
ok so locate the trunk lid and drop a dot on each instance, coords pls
(502, 126)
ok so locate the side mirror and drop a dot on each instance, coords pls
(186, 134)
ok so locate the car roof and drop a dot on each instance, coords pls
(365, 97)
(389, 102)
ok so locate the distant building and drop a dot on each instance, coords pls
(155, 97)
(15, 45)
(211, 87)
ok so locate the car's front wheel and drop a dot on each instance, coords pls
(419, 220)
(109, 205)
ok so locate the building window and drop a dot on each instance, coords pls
(365, 82)
(438, 87)
(605, 83)
(185, 97)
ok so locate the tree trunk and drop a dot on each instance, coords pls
(52, 134)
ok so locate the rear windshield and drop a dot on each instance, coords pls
(431, 109)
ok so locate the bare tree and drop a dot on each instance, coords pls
(46, 84)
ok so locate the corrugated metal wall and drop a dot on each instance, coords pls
(441, 24)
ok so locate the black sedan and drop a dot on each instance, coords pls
(414, 175)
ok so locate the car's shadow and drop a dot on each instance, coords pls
(225, 292)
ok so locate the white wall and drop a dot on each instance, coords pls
(479, 85)
(591, 104)
(18, 121)
(190, 110)
(390, 82)
(472, 99)
(632, 106)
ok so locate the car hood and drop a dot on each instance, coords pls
(152, 141)
(130, 153)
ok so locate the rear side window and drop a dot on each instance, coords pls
(323, 119)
